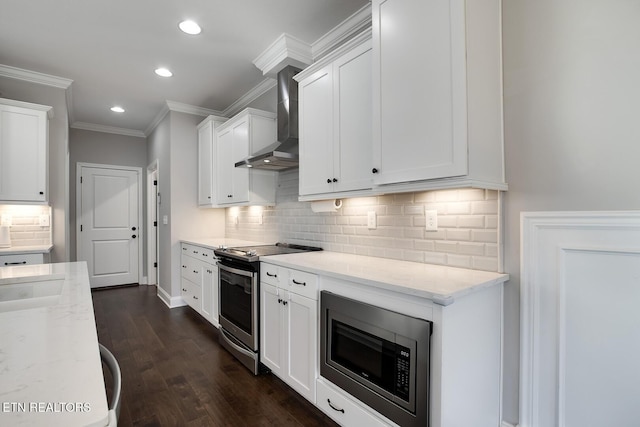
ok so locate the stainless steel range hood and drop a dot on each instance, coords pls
(282, 154)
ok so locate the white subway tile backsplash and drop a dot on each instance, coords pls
(25, 229)
(467, 234)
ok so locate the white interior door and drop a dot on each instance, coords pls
(109, 224)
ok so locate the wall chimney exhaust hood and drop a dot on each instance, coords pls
(282, 154)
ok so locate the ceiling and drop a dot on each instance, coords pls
(110, 49)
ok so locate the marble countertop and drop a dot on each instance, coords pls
(50, 367)
(439, 283)
(37, 249)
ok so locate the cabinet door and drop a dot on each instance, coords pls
(316, 132)
(23, 154)
(301, 344)
(419, 79)
(210, 293)
(205, 165)
(353, 112)
(233, 146)
(271, 327)
(224, 166)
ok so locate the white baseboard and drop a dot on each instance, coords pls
(506, 424)
(171, 302)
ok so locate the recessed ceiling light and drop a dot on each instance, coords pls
(267, 161)
(117, 109)
(163, 72)
(190, 27)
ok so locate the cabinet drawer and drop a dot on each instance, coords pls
(191, 269)
(21, 259)
(272, 274)
(199, 252)
(342, 409)
(303, 283)
(191, 294)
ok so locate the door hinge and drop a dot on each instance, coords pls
(155, 182)
(155, 223)
(80, 180)
(80, 227)
(155, 264)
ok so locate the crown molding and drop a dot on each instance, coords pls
(14, 102)
(156, 121)
(108, 129)
(351, 26)
(286, 50)
(34, 77)
(191, 109)
(250, 96)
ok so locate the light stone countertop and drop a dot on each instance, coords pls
(50, 366)
(441, 284)
(215, 242)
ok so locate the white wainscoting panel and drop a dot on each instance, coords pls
(580, 319)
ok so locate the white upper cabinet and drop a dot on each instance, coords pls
(206, 159)
(244, 134)
(336, 123)
(24, 133)
(437, 94)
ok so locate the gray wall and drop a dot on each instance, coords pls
(174, 144)
(58, 154)
(571, 124)
(107, 149)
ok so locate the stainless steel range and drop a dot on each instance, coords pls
(239, 274)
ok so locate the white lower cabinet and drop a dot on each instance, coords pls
(21, 259)
(199, 281)
(289, 325)
(342, 409)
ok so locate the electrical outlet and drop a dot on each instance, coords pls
(372, 222)
(431, 220)
(44, 220)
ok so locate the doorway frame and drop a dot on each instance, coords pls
(142, 228)
(153, 234)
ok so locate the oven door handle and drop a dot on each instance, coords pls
(235, 270)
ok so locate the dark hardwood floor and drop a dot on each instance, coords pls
(174, 372)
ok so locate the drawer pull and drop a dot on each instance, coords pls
(333, 407)
(272, 274)
(184, 290)
(15, 263)
(295, 282)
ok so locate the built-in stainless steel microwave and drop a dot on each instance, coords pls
(379, 356)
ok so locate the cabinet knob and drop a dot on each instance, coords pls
(374, 170)
(42, 193)
(335, 179)
(284, 303)
(328, 180)
(133, 228)
(133, 236)
(279, 300)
